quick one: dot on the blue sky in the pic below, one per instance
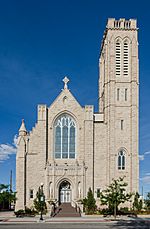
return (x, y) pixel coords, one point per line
(40, 43)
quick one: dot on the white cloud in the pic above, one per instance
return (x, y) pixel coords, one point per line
(8, 149)
(146, 153)
(142, 156)
(15, 140)
(146, 179)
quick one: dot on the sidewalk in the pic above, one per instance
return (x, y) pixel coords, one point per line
(13, 219)
(9, 217)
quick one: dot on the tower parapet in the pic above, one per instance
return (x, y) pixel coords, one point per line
(119, 25)
(122, 23)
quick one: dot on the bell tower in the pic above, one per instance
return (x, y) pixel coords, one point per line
(118, 96)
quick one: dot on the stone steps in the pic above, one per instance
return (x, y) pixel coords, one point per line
(66, 210)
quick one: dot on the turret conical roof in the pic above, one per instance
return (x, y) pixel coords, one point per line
(22, 127)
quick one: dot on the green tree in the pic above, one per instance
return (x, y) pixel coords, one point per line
(138, 203)
(89, 203)
(147, 201)
(115, 194)
(6, 196)
(3, 187)
(39, 202)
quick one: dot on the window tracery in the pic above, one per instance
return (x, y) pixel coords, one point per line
(121, 160)
(65, 137)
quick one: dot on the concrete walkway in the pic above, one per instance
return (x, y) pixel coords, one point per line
(9, 217)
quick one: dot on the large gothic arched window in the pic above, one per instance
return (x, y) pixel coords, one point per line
(64, 137)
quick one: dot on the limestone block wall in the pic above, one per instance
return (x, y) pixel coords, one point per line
(89, 148)
(37, 155)
(100, 157)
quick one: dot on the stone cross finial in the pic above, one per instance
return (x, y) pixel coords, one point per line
(65, 80)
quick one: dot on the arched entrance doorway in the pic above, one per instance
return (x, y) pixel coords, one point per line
(65, 192)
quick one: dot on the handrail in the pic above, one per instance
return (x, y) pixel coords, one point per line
(54, 205)
(57, 203)
(76, 206)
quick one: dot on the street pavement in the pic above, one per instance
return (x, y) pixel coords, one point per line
(97, 225)
(9, 221)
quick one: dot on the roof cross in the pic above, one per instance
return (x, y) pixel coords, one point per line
(65, 80)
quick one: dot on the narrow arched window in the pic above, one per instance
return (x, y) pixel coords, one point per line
(125, 58)
(121, 160)
(118, 58)
(118, 93)
(64, 137)
(126, 94)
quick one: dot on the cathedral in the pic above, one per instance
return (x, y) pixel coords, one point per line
(72, 148)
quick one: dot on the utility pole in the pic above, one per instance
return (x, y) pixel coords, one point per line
(142, 193)
(11, 181)
(10, 190)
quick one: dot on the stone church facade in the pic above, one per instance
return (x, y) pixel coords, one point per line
(72, 148)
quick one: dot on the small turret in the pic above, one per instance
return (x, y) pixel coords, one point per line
(21, 167)
(22, 130)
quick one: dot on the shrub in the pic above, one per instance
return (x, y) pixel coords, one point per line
(20, 213)
(30, 212)
(147, 202)
(107, 211)
(26, 212)
(138, 203)
(123, 211)
(89, 205)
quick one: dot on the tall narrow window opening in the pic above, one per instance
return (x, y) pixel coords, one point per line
(98, 192)
(121, 124)
(118, 58)
(31, 193)
(125, 59)
(121, 160)
(118, 92)
(126, 90)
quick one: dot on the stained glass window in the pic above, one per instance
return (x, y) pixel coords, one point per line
(65, 137)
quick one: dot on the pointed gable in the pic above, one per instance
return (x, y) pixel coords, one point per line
(65, 100)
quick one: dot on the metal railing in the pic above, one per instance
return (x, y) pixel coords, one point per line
(76, 206)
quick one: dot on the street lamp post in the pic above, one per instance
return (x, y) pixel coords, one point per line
(41, 201)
